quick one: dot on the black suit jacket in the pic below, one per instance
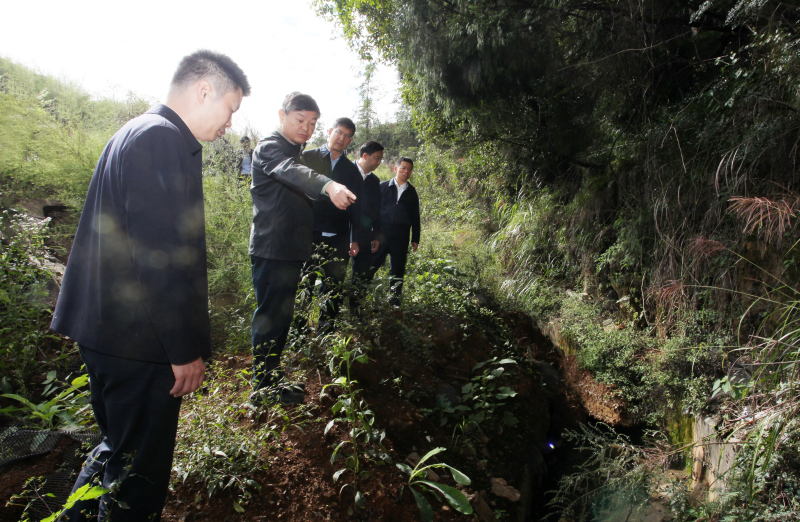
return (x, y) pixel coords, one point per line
(370, 209)
(398, 218)
(283, 190)
(328, 218)
(136, 285)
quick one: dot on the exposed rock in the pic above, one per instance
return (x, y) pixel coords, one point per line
(481, 508)
(502, 489)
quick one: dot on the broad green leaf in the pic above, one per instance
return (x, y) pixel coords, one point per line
(479, 365)
(238, 507)
(497, 372)
(405, 468)
(459, 477)
(430, 454)
(425, 509)
(507, 361)
(454, 497)
(363, 359)
(19, 398)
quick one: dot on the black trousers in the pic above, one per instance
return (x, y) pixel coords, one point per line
(333, 254)
(275, 283)
(397, 250)
(362, 275)
(139, 419)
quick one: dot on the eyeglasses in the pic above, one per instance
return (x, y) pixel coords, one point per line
(379, 160)
(341, 132)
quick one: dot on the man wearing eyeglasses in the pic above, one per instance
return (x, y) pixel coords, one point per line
(336, 232)
(370, 156)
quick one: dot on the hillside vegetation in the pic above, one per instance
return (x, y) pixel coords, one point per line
(625, 169)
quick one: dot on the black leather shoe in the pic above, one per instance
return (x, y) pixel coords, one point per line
(288, 397)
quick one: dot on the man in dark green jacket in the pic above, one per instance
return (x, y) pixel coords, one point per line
(283, 190)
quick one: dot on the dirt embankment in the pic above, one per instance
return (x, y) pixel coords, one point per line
(414, 362)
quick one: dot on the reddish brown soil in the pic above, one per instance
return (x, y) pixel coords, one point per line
(412, 358)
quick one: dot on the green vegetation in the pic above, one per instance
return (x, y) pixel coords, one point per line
(417, 484)
(626, 170)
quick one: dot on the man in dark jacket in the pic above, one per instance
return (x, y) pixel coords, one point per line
(135, 292)
(336, 232)
(370, 156)
(399, 219)
(283, 190)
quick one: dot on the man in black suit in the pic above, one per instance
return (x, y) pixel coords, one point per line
(370, 156)
(336, 231)
(399, 219)
(283, 191)
(135, 292)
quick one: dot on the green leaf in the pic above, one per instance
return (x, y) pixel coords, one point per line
(329, 426)
(360, 500)
(497, 372)
(238, 507)
(507, 361)
(425, 509)
(430, 454)
(459, 477)
(479, 365)
(364, 359)
(405, 468)
(454, 497)
(80, 381)
(338, 474)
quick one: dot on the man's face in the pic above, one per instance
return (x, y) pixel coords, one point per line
(298, 126)
(403, 172)
(339, 139)
(217, 114)
(371, 161)
(246, 146)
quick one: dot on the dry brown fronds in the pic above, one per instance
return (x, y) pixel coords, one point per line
(703, 247)
(770, 217)
(670, 299)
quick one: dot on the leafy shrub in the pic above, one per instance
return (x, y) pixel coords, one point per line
(23, 299)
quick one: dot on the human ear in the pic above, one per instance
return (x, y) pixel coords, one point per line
(281, 116)
(204, 90)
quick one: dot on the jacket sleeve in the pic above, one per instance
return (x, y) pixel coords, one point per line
(415, 225)
(358, 233)
(163, 225)
(270, 159)
(377, 224)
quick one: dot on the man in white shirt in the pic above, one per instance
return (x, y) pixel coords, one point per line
(399, 219)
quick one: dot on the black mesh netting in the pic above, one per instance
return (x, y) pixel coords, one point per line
(17, 443)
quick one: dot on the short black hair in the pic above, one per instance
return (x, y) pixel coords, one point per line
(244, 139)
(370, 148)
(347, 123)
(297, 101)
(222, 72)
(402, 159)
